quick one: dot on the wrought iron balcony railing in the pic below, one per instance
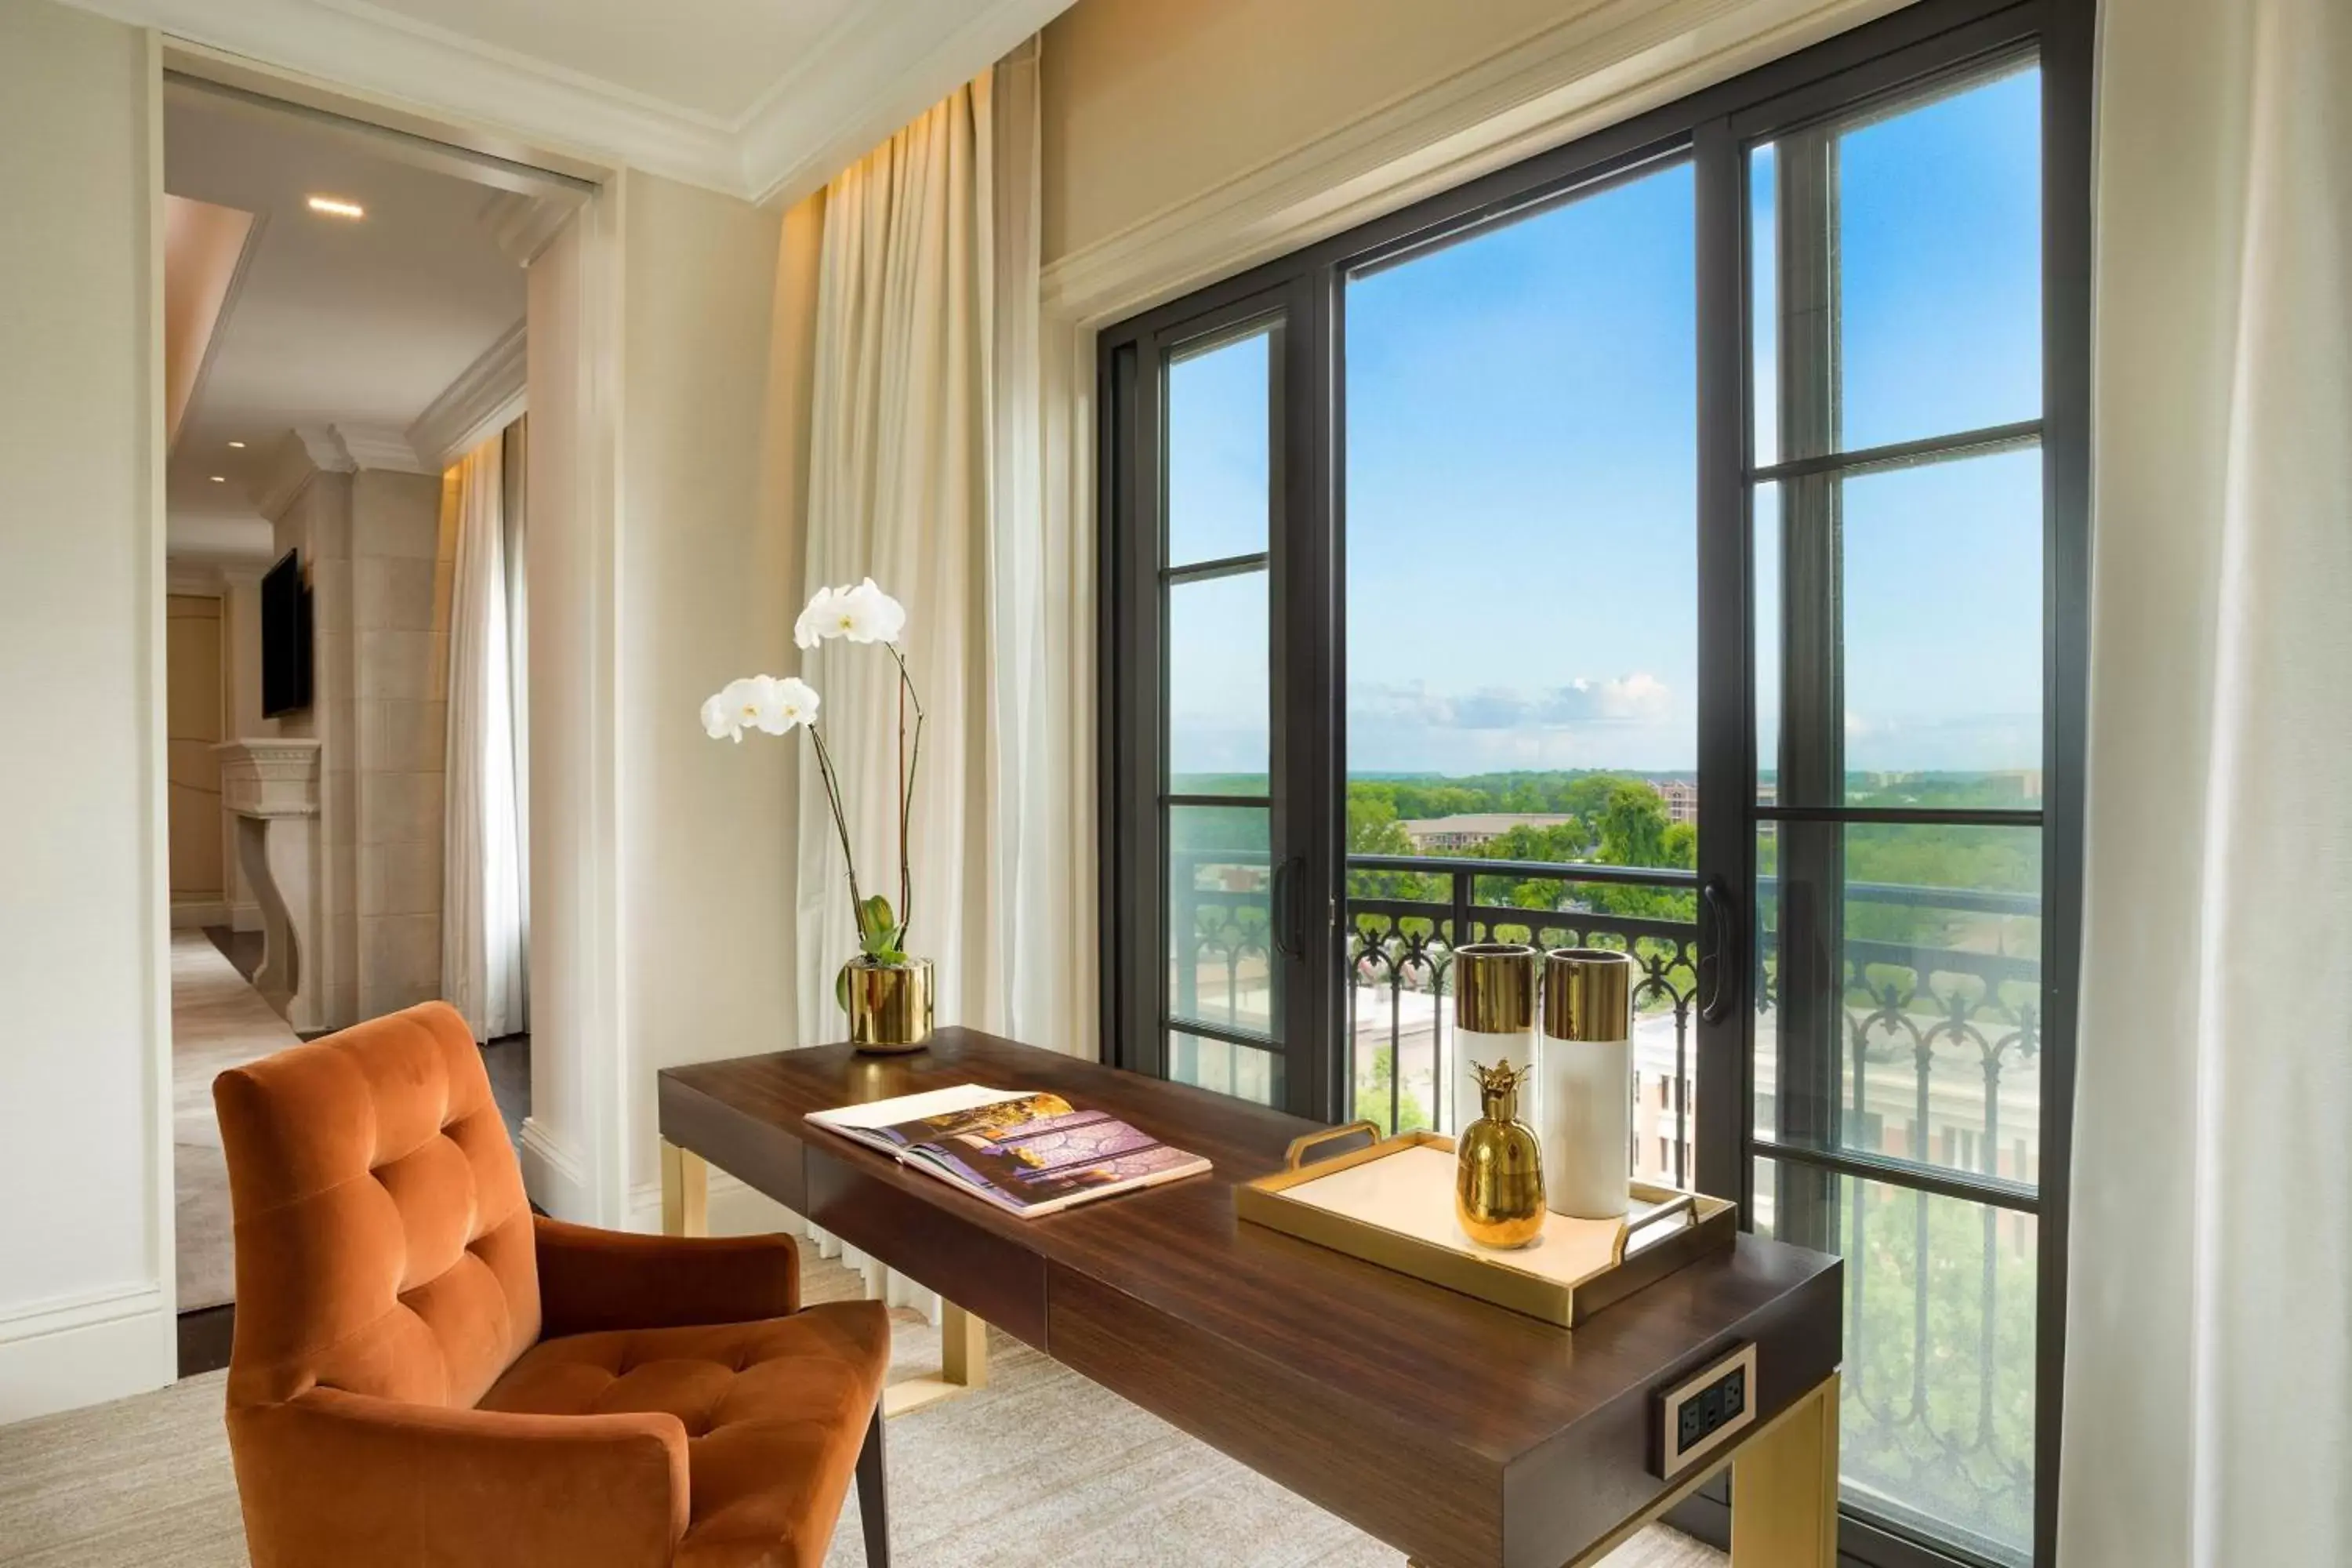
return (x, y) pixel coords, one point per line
(1937, 1073)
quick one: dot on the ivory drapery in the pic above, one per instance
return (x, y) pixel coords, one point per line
(924, 460)
(2209, 1345)
(482, 961)
(926, 441)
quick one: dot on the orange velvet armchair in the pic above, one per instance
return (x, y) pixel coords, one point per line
(425, 1373)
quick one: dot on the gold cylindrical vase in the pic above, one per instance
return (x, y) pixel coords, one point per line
(889, 1005)
(1494, 1022)
(1585, 1072)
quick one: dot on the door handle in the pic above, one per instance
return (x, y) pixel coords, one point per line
(1719, 950)
(1288, 940)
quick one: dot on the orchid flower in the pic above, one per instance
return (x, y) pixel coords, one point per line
(862, 613)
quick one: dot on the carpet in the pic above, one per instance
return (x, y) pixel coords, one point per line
(1041, 1466)
(218, 1021)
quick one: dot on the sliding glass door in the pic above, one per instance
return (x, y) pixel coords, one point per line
(1673, 543)
(1213, 640)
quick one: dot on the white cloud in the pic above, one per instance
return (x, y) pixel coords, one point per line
(1636, 699)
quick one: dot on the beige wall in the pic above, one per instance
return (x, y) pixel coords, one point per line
(85, 1277)
(193, 684)
(1147, 103)
(318, 522)
(709, 564)
(377, 550)
(403, 550)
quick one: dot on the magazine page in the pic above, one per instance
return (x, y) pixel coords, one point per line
(1041, 1152)
(1030, 1153)
(885, 1123)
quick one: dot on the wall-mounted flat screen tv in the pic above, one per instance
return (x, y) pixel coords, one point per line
(284, 639)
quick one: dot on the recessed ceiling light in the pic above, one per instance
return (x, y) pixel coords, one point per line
(335, 207)
(220, 478)
(237, 444)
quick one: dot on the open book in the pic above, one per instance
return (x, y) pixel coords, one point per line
(1031, 1153)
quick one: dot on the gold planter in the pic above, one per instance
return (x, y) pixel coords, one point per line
(889, 1007)
(1498, 1185)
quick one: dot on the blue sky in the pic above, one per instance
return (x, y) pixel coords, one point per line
(1521, 488)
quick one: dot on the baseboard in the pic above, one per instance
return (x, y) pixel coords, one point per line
(733, 1209)
(196, 914)
(70, 1351)
(244, 917)
(553, 1176)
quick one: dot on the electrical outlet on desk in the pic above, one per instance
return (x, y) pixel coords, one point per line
(1704, 1412)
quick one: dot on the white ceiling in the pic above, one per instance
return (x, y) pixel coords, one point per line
(332, 323)
(760, 99)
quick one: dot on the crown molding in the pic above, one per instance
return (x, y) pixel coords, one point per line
(378, 447)
(857, 86)
(521, 226)
(883, 63)
(1605, 64)
(301, 452)
(486, 398)
(433, 70)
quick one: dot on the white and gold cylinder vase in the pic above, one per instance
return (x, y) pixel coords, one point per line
(1584, 1082)
(1494, 1021)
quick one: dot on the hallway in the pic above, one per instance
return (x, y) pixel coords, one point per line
(218, 1021)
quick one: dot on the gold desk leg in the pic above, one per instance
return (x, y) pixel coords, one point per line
(1784, 1487)
(963, 1364)
(1784, 1492)
(685, 1191)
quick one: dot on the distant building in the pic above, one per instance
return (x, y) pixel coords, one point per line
(1471, 829)
(1681, 797)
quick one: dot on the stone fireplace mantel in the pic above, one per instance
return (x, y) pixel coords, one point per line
(271, 786)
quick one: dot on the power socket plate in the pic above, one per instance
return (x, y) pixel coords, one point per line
(1704, 1412)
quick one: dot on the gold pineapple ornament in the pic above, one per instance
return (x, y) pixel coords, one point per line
(1498, 1186)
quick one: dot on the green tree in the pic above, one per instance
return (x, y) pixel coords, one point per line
(1634, 826)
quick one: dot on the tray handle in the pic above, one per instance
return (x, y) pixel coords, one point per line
(1680, 1204)
(1296, 1156)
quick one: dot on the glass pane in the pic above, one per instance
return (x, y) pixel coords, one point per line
(1220, 473)
(1220, 958)
(1242, 1072)
(1218, 649)
(1522, 508)
(1522, 621)
(1931, 695)
(1922, 1039)
(1906, 238)
(1940, 252)
(1936, 1419)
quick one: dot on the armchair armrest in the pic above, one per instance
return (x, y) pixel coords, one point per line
(591, 1279)
(331, 1476)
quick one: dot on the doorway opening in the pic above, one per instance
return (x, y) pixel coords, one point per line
(347, 525)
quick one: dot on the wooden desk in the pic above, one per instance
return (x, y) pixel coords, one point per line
(1464, 1435)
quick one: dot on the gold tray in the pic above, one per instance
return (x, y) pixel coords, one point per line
(1393, 1204)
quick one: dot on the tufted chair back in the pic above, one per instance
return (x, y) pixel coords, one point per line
(383, 1243)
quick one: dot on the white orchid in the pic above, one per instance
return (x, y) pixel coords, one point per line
(862, 614)
(794, 702)
(759, 702)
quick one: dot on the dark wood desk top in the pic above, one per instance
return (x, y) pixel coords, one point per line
(1462, 1433)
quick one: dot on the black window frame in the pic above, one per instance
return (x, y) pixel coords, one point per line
(1712, 128)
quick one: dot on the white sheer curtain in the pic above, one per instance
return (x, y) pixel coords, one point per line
(2209, 1371)
(482, 939)
(924, 473)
